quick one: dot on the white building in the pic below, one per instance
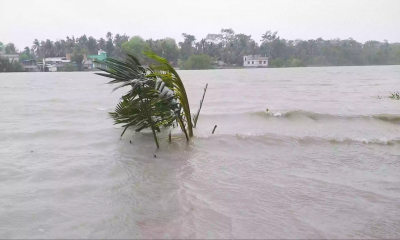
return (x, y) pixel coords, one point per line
(55, 63)
(255, 61)
(11, 57)
(30, 65)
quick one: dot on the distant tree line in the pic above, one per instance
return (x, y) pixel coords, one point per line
(7, 66)
(226, 46)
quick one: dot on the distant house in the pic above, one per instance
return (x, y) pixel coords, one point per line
(88, 64)
(255, 61)
(55, 64)
(10, 57)
(219, 64)
(101, 56)
(30, 65)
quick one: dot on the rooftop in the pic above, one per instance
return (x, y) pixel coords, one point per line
(57, 59)
(255, 57)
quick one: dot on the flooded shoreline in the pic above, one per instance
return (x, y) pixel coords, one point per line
(323, 162)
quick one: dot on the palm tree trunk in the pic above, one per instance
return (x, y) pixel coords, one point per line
(155, 136)
(183, 127)
(144, 107)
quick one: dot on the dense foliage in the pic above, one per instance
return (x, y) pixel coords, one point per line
(69, 67)
(7, 66)
(197, 62)
(135, 46)
(10, 48)
(78, 57)
(156, 97)
(395, 95)
(226, 46)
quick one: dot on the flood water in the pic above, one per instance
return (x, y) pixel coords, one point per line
(322, 162)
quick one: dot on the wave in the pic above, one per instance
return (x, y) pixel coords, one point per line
(300, 114)
(392, 118)
(273, 138)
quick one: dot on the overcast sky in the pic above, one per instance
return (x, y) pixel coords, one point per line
(24, 20)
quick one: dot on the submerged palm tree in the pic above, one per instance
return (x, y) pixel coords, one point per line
(171, 78)
(156, 97)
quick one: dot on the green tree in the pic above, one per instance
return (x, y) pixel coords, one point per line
(267, 39)
(48, 48)
(82, 41)
(69, 67)
(10, 48)
(7, 66)
(187, 46)
(230, 47)
(277, 63)
(109, 35)
(27, 52)
(69, 44)
(197, 62)
(294, 62)
(78, 57)
(135, 47)
(59, 49)
(102, 43)
(118, 41)
(91, 45)
(23, 57)
(166, 48)
(109, 47)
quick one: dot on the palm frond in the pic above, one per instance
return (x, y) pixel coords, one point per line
(155, 99)
(171, 78)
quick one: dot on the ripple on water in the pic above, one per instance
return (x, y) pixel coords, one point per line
(317, 165)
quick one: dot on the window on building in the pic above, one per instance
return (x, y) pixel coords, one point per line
(252, 62)
(265, 62)
(260, 62)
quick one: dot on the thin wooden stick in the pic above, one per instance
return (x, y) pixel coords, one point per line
(196, 117)
(170, 138)
(214, 129)
(183, 128)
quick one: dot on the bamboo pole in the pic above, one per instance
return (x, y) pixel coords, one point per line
(196, 117)
(214, 129)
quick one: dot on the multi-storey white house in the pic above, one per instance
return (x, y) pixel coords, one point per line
(255, 61)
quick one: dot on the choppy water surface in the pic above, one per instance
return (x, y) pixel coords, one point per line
(323, 162)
